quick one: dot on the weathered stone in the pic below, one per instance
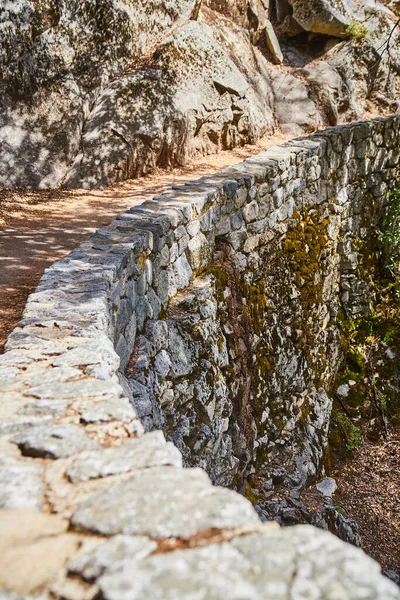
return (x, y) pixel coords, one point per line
(119, 409)
(330, 17)
(172, 97)
(293, 103)
(34, 547)
(283, 9)
(73, 389)
(58, 375)
(327, 486)
(47, 120)
(199, 252)
(22, 527)
(249, 14)
(7, 376)
(328, 89)
(291, 27)
(143, 312)
(97, 351)
(179, 352)
(57, 441)
(251, 243)
(63, 586)
(109, 555)
(182, 272)
(162, 363)
(347, 529)
(181, 503)
(21, 423)
(28, 568)
(21, 484)
(272, 43)
(141, 399)
(273, 564)
(150, 450)
(250, 211)
(237, 220)
(53, 408)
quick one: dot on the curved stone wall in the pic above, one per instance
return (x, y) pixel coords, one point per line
(237, 370)
(72, 445)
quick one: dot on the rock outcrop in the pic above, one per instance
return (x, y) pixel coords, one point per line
(250, 14)
(193, 101)
(55, 58)
(76, 94)
(320, 16)
(84, 105)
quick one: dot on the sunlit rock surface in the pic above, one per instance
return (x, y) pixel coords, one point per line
(83, 104)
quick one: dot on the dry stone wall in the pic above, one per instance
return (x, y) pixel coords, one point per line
(238, 369)
(221, 302)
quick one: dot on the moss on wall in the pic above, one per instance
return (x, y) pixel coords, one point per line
(369, 380)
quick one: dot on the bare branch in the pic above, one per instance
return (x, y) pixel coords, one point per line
(385, 47)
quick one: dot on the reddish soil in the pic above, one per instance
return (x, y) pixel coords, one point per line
(369, 491)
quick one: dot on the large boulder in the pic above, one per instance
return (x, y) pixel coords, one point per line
(43, 40)
(329, 91)
(91, 104)
(55, 58)
(368, 18)
(294, 110)
(194, 101)
(330, 17)
(349, 73)
(39, 137)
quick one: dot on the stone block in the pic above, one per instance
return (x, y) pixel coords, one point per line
(53, 441)
(150, 450)
(179, 503)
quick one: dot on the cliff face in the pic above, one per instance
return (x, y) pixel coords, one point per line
(104, 90)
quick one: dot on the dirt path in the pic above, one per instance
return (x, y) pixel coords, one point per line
(38, 228)
(369, 490)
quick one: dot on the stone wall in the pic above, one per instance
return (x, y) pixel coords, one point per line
(237, 371)
(230, 292)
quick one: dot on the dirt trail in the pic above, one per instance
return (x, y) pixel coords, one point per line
(369, 491)
(38, 228)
